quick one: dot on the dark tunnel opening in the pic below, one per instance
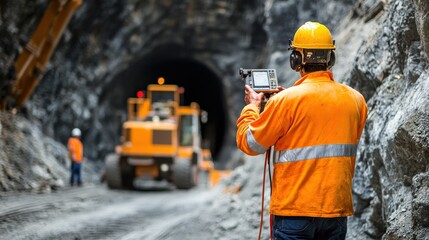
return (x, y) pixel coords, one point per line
(201, 85)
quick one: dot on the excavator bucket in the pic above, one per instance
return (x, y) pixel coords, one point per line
(215, 176)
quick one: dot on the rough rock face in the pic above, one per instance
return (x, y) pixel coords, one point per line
(422, 22)
(29, 160)
(113, 48)
(391, 70)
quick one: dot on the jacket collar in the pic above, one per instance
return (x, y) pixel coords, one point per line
(316, 77)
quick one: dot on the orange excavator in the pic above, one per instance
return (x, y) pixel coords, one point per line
(32, 61)
(161, 142)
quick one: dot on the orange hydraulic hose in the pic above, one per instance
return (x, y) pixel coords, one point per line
(266, 162)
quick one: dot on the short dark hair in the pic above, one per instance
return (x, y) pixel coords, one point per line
(308, 68)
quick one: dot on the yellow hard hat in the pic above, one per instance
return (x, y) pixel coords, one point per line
(313, 35)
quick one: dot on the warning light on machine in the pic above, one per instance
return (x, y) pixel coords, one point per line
(161, 80)
(181, 90)
(140, 94)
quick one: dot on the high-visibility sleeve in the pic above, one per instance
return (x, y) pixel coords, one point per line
(248, 114)
(256, 132)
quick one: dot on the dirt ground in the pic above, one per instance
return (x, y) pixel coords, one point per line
(95, 212)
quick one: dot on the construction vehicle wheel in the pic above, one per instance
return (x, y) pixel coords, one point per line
(113, 171)
(127, 173)
(184, 174)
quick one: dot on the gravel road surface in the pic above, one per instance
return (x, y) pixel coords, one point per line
(95, 212)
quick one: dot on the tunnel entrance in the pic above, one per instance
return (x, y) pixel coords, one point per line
(200, 83)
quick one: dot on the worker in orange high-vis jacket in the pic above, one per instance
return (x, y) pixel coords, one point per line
(75, 148)
(314, 127)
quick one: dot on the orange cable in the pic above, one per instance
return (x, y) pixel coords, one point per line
(263, 193)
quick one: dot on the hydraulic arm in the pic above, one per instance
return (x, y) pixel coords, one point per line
(32, 61)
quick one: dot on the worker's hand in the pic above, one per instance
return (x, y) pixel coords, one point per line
(252, 97)
(280, 88)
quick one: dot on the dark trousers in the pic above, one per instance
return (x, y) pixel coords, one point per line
(292, 228)
(75, 174)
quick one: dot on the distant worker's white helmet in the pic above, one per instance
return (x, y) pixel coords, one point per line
(76, 132)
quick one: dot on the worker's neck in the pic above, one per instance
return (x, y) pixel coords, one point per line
(304, 73)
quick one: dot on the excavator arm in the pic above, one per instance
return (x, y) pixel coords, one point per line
(31, 63)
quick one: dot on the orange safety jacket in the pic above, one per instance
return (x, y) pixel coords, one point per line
(315, 127)
(75, 147)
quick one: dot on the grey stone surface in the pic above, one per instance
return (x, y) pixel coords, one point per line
(422, 22)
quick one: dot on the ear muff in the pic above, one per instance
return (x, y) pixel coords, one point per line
(331, 62)
(296, 60)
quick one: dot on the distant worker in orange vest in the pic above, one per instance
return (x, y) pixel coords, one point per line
(314, 127)
(75, 148)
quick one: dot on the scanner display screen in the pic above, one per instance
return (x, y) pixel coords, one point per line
(261, 79)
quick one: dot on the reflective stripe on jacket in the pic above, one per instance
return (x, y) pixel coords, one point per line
(314, 127)
(75, 148)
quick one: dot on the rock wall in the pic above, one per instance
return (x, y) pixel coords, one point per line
(29, 160)
(391, 69)
(422, 22)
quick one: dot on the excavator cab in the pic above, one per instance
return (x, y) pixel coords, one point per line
(189, 149)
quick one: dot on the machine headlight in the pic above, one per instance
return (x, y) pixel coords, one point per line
(164, 167)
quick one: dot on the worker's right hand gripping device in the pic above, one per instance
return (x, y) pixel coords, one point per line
(261, 80)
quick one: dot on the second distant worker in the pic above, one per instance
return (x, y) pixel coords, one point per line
(75, 149)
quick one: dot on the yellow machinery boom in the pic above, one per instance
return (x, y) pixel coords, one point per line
(32, 61)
